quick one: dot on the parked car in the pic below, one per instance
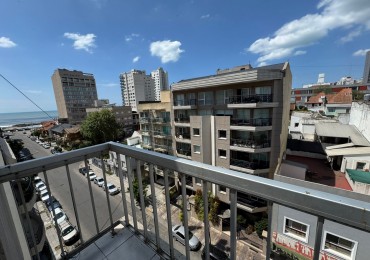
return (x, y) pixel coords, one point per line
(44, 195)
(54, 204)
(69, 233)
(60, 216)
(46, 146)
(37, 180)
(92, 175)
(215, 253)
(112, 189)
(99, 181)
(51, 200)
(178, 232)
(40, 186)
(83, 170)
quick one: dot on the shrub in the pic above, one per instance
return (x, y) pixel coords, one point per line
(261, 225)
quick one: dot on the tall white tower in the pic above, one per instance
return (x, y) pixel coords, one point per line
(160, 82)
(136, 86)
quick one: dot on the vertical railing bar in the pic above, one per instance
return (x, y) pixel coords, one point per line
(106, 193)
(154, 206)
(141, 195)
(233, 213)
(73, 201)
(185, 215)
(28, 220)
(91, 195)
(55, 220)
(131, 188)
(120, 175)
(318, 237)
(168, 211)
(269, 229)
(207, 234)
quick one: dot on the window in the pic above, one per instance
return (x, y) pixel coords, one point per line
(339, 246)
(222, 189)
(295, 229)
(222, 153)
(198, 181)
(222, 134)
(196, 149)
(196, 132)
(296, 124)
(360, 166)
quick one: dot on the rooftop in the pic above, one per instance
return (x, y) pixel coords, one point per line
(359, 176)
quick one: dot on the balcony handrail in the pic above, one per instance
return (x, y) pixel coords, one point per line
(251, 121)
(250, 142)
(250, 98)
(341, 209)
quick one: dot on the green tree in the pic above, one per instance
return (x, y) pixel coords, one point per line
(323, 88)
(261, 225)
(100, 127)
(357, 95)
(213, 206)
(136, 191)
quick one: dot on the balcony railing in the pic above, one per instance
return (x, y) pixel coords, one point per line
(183, 135)
(188, 102)
(325, 206)
(249, 165)
(184, 152)
(250, 143)
(251, 121)
(250, 99)
(182, 119)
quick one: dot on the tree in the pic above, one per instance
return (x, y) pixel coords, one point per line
(213, 206)
(100, 127)
(323, 88)
(261, 225)
(136, 191)
(357, 95)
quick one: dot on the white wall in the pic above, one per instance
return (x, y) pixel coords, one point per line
(360, 117)
(293, 170)
(350, 162)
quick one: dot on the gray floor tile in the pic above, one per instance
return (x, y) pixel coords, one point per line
(107, 244)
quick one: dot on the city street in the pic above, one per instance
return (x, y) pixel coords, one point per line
(60, 189)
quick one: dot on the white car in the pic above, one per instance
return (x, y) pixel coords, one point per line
(178, 232)
(69, 233)
(112, 189)
(92, 175)
(99, 181)
(44, 195)
(40, 186)
(36, 180)
(60, 216)
(46, 146)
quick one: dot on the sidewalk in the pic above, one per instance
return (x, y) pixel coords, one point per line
(221, 239)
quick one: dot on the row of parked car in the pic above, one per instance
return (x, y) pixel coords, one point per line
(69, 233)
(112, 189)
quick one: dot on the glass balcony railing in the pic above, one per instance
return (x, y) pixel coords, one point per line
(250, 143)
(95, 212)
(188, 102)
(250, 99)
(251, 121)
(182, 119)
(249, 165)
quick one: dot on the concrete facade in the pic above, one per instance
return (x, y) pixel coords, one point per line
(235, 119)
(360, 117)
(136, 86)
(74, 91)
(366, 75)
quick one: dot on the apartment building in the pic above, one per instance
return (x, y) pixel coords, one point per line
(136, 86)
(74, 91)
(155, 126)
(235, 119)
(366, 75)
(160, 78)
(122, 114)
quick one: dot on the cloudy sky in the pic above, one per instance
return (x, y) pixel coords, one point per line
(187, 38)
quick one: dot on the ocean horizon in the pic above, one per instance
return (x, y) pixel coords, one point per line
(36, 117)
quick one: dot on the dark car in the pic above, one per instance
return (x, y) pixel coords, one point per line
(215, 253)
(52, 202)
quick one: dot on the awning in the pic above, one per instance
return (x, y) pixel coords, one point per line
(348, 151)
(347, 145)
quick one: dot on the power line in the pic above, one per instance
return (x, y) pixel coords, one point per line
(26, 96)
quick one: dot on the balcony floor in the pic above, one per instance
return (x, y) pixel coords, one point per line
(124, 245)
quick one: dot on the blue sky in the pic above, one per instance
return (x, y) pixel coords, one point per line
(187, 38)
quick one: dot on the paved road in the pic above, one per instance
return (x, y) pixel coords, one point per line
(60, 189)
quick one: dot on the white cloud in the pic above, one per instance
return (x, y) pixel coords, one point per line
(300, 53)
(361, 52)
(130, 37)
(351, 35)
(310, 28)
(33, 91)
(205, 16)
(6, 43)
(166, 50)
(136, 59)
(82, 42)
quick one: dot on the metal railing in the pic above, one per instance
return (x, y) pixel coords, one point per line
(182, 119)
(347, 211)
(187, 102)
(251, 121)
(245, 99)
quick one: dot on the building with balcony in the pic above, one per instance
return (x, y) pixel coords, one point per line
(235, 119)
(115, 227)
(136, 86)
(74, 91)
(160, 78)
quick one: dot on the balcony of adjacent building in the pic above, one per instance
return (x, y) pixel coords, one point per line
(129, 225)
(252, 142)
(161, 120)
(160, 133)
(181, 104)
(251, 124)
(252, 163)
(251, 101)
(163, 148)
(182, 134)
(183, 150)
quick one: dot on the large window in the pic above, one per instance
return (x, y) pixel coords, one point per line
(339, 246)
(205, 98)
(296, 229)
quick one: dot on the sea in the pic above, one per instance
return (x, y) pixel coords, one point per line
(29, 118)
